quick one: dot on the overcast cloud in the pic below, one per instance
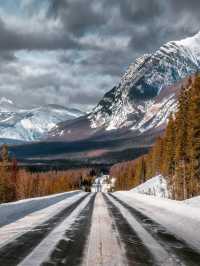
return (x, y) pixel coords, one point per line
(71, 52)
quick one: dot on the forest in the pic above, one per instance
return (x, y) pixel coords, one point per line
(17, 183)
(175, 154)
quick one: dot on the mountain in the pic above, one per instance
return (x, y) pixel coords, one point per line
(18, 125)
(127, 120)
(143, 98)
(134, 101)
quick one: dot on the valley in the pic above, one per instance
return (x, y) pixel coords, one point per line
(129, 117)
(99, 133)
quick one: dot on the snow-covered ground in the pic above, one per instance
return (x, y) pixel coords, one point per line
(156, 186)
(179, 218)
(195, 202)
(10, 212)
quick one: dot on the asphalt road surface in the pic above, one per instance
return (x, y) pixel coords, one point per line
(91, 229)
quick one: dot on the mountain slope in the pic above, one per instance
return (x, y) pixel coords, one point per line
(144, 97)
(128, 104)
(31, 124)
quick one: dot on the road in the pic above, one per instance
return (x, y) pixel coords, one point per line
(91, 229)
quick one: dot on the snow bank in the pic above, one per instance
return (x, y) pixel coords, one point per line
(195, 202)
(156, 186)
(175, 216)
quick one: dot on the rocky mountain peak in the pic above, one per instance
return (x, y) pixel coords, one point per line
(128, 103)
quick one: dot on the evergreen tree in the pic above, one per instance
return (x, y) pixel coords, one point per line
(181, 158)
(157, 157)
(4, 153)
(5, 184)
(169, 148)
(140, 171)
(169, 154)
(194, 136)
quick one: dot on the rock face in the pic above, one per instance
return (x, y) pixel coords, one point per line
(136, 102)
(31, 124)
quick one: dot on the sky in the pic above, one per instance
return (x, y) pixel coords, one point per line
(70, 52)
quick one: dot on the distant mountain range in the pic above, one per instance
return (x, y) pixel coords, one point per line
(20, 125)
(143, 98)
(125, 123)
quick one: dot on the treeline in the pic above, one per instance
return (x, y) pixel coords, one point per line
(175, 155)
(125, 174)
(16, 183)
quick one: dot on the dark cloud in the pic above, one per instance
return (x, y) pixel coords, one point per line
(7, 57)
(78, 17)
(112, 62)
(180, 5)
(12, 40)
(140, 11)
(93, 42)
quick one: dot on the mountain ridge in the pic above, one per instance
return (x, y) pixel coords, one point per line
(23, 124)
(143, 98)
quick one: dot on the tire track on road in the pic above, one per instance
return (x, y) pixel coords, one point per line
(179, 250)
(14, 252)
(69, 250)
(136, 252)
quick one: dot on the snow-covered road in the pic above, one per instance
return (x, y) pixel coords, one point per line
(91, 229)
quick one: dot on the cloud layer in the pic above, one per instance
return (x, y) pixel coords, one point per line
(71, 52)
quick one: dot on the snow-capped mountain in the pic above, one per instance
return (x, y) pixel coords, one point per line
(31, 124)
(134, 103)
(129, 117)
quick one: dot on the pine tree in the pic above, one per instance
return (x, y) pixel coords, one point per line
(140, 170)
(194, 136)
(149, 164)
(157, 157)
(169, 154)
(5, 186)
(181, 123)
(4, 154)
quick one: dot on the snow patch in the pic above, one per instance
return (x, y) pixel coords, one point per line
(195, 202)
(175, 216)
(5, 100)
(156, 186)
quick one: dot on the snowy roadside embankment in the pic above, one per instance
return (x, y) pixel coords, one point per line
(195, 202)
(156, 186)
(179, 218)
(11, 212)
